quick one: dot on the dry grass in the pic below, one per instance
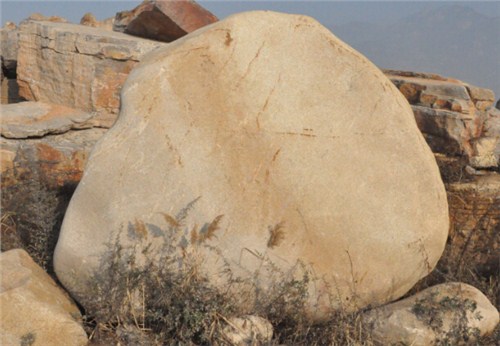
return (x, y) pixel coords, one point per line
(32, 214)
(156, 303)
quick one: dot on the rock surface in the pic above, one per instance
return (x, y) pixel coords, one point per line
(247, 330)
(83, 67)
(447, 314)
(163, 20)
(35, 311)
(8, 49)
(37, 119)
(475, 218)
(58, 160)
(40, 166)
(89, 19)
(9, 91)
(453, 116)
(269, 166)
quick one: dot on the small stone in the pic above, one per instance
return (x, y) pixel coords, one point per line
(484, 155)
(89, 19)
(450, 314)
(247, 330)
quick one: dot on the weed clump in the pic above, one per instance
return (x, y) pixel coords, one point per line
(32, 214)
(143, 298)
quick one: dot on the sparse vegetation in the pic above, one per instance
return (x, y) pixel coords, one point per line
(139, 299)
(166, 300)
(32, 214)
(431, 310)
(28, 339)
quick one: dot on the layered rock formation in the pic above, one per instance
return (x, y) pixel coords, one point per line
(43, 151)
(462, 127)
(83, 67)
(39, 139)
(456, 118)
(266, 165)
(37, 119)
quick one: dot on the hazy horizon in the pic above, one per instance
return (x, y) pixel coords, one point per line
(326, 12)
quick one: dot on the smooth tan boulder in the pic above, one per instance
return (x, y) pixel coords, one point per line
(34, 310)
(265, 146)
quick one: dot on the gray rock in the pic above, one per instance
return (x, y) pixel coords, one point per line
(450, 314)
(9, 48)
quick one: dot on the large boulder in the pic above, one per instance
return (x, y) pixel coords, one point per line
(263, 160)
(35, 311)
(76, 66)
(163, 20)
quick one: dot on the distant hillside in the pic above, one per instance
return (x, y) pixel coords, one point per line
(452, 40)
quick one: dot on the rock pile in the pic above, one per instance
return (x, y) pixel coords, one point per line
(456, 118)
(242, 153)
(462, 126)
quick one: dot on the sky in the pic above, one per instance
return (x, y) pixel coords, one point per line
(327, 12)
